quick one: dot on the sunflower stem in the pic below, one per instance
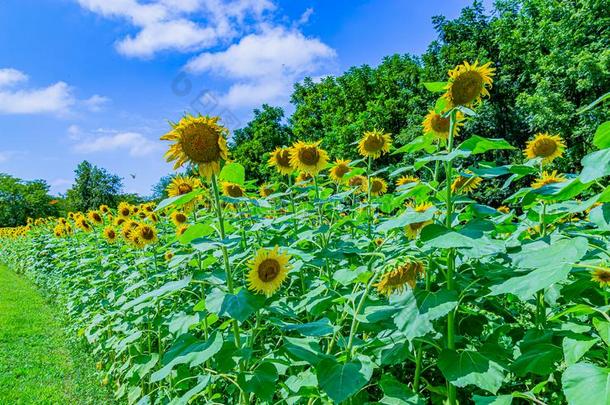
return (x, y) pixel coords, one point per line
(540, 305)
(355, 323)
(451, 389)
(418, 362)
(294, 211)
(368, 198)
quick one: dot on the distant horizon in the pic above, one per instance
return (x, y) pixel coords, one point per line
(111, 76)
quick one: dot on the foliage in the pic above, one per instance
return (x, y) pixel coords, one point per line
(20, 200)
(93, 186)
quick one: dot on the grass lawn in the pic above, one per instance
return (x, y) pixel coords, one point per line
(37, 364)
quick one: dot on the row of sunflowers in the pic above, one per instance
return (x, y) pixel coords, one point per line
(344, 282)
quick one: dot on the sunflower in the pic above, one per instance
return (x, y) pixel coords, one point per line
(406, 180)
(198, 140)
(119, 221)
(178, 218)
(465, 184)
(339, 170)
(181, 185)
(181, 230)
(104, 209)
(232, 190)
(145, 234)
(82, 223)
(378, 186)
(268, 270)
(469, 83)
(439, 126)
(168, 255)
(601, 275)
(59, 231)
(124, 209)
(303, 177)
(413, 230)
(374, 143)
(308, 157)
(358, 181)
(545, 146)
(280, 159)
(403, 275)
(548, 178)
(503, 209)
(110, 234)
(265, 190)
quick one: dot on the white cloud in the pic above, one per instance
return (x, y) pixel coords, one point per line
(265, 65)
(136, 144)
(9, 77)
(60, 185)
(57, 98)
(96, 102)
(178, 25)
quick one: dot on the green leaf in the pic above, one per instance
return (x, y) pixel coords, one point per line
(237, 306)
(539, 354)
(477, 144)
(234, 173)
(188, 350)
(471, 368)
(595, 165)
(306, 349)
(594, 103)
(425, 142)
(397, 393)
(342, 380)
(261, 382)
(586, 384)
(202, 382)
(409, 216)
(574, 347)
(499, 400)
(417, 311)
(602, 136)
(603, 328)
(436, 87)
(167, 288)
(178, 200)
(600, 216)
(321, 327)
(196, 231)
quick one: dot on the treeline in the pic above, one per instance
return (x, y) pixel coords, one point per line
(551, 57)
(93, 186)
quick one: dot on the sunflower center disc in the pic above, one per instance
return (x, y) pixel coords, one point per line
(200, 144)
(466, 88)
(184, 189)
(341, 170)
(373, 143)
(234, 191)
(180, 218)
(268, 270)
(309, 156)
(440, 124)
(376, 186)
(544, 147)
(147, 234)
(283, 158)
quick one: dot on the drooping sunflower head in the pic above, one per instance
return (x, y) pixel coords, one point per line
(110, 234)
(378, 186)
(308, 157)
(303, 177)
(178, 218)
(406, 180)
(339, 170)
(198, 140)
(412, 230)
(601, 275)
(400, 277)
(358, 181)
(124, 209)
(232, 190)
(265, 190)
(181, 185)
(268, 270)
(439, 126)
(83, 224)
(280, 159)
(465, 184)
(95, 217)
(545, 146)
(374, 143)
(468, 84)
(548, 178)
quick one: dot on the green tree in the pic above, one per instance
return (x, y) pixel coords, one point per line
(251, 145)
(93, 186)
(20, 200)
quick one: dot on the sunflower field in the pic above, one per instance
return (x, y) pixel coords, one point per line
(343, 283)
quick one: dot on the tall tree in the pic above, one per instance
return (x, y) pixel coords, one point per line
(20, 200)
(93, 186)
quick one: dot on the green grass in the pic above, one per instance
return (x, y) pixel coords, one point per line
(37, 363)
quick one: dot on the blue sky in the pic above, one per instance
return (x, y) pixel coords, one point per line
(98, 79)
